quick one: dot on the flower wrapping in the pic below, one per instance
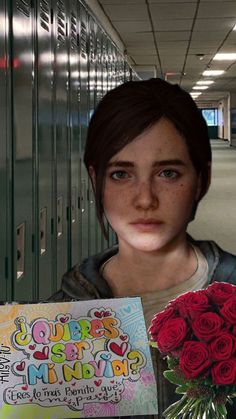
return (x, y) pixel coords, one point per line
(196, 332)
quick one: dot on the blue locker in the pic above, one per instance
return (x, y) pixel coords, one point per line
(75, 222)
(24, 272)
(5, 157)
(84, 116)
(61, 138)
(44, 151)
(93, 225)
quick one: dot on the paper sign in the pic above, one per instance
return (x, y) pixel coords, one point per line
(75, 360)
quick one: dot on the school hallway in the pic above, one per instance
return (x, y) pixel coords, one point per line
(216, 215)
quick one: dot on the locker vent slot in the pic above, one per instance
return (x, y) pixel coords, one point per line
(99, 50)
(44, 15)
(92, 47)
(83, 40)
(73, 34)
(61, 21)
(24, 7)
(104, 53)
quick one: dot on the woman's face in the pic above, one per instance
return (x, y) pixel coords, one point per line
(150, 189)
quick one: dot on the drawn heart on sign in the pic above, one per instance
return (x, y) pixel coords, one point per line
(21, 366)
(99, 314)
(41, 355)
(107, 313)
(24, 387)
(64, 319)
(98, 383)
(123, 337)
(119, 349)
(32, 347)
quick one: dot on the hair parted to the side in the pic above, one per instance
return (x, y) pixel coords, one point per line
(127, 111)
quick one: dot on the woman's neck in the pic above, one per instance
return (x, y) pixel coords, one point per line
(132, 272)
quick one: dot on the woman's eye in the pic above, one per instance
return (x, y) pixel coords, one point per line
(119, 174)
(169, 174)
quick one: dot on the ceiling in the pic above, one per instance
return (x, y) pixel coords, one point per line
(177, 40)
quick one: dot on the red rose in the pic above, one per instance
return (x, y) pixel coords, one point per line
(159, 320)
(191, 304)
(228, 311)
(224, 372)
(219, 292)
(207, 326)
(194, 359)
(222, 347)
(172, 335)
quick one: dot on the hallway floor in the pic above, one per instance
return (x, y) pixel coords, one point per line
(216, 215)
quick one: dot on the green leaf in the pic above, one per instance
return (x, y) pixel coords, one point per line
(181, 389)
(171, 362)
(170, 376)
(152, 344)
(221, 409)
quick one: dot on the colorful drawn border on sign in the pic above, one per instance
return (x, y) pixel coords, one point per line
(89, 358)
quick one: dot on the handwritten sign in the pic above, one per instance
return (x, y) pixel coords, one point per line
(76, 359)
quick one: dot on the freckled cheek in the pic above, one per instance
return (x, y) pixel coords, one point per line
(183, 197)
(115, 201)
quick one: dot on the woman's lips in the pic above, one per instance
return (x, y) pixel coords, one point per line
(146, 225)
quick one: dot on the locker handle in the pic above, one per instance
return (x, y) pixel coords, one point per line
(43, 230)
(20, 251)
(59, 216)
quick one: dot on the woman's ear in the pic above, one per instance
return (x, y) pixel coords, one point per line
(92, 175)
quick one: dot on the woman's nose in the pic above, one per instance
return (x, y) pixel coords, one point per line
(145, 195)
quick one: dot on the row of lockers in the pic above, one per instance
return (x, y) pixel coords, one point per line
(56, 62)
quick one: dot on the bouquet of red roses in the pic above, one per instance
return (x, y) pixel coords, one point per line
(197, 334)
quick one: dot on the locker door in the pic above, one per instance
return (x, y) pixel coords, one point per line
(22, 83)
(105, 86)
(44, 148)
(84, 111)
(5, 144)
(98, 96)
(74, 95)
(92, 87)
(61, 150)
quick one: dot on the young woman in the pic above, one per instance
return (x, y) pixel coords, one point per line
(149, 158)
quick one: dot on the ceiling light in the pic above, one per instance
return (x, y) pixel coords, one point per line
(205, 82)
(225, 56)
(234, 28)
(212, 72)
(200, 87)
(195, 94)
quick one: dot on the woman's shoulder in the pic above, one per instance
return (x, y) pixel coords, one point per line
(83, 281)
(221, 263)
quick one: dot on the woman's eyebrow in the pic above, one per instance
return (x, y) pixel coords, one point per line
(175, 162)
(121, 163)
(126, 163)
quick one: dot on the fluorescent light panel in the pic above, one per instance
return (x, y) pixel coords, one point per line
(225, 56)
(204, 82)
(212, 72)
(200, 87)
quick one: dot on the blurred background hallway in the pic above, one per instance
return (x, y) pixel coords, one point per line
(216, 215)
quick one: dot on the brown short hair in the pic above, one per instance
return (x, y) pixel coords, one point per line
(128, 110)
